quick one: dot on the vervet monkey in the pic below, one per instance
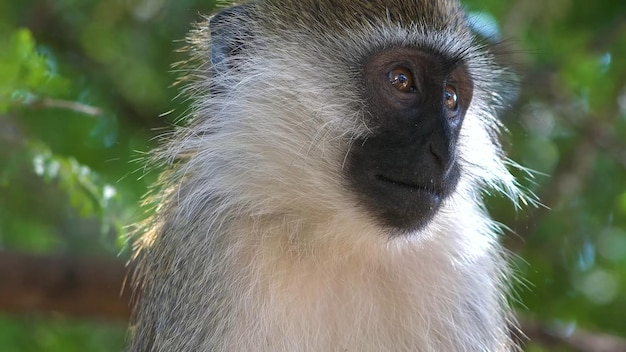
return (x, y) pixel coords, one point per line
(327, 194)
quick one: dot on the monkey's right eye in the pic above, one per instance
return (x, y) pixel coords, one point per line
(402, 80)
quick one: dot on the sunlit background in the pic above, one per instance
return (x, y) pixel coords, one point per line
(86, 86)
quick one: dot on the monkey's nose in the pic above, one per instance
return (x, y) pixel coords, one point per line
(442, 157)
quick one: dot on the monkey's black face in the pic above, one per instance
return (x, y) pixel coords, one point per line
(416, 102)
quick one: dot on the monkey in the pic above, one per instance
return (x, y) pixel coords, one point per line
(327, 191)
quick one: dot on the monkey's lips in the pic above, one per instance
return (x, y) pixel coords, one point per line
(411, 189)
(409, 185)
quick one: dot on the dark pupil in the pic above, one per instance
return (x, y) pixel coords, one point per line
(402, 79)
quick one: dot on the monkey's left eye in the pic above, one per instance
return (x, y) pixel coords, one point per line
(450, 99)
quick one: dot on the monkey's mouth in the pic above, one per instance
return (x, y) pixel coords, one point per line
(431, 190)
(401, 201)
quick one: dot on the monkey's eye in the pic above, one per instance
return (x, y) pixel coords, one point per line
(450, 99)
(402, 80)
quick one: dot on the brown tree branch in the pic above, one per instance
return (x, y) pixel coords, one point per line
(76, 287)
(578, 341)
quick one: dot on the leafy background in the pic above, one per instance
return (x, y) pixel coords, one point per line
(85, 86)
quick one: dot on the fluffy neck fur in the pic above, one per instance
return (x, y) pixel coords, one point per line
(289, 283)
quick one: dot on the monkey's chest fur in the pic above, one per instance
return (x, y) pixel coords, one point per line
(357, 296)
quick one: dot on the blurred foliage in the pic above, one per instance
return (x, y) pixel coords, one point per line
(35, 334)
(570, 123)
(83, 85)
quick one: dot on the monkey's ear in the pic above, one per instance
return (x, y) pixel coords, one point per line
(230, 35)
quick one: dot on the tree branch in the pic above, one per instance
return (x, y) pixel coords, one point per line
(578, 341)
(71, 286)
(66, 104)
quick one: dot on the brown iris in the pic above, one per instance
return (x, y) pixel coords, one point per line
(401, 79)
(450, 99)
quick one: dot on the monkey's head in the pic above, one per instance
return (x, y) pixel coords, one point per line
(380, 111)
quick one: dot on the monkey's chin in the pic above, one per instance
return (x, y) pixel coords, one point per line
(405, 206)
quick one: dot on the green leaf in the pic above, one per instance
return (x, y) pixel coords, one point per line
(25, 72)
